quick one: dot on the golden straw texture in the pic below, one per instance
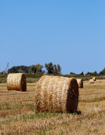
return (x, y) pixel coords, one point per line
(80, 83)
(91, 81)
(16, 81)
(94, 78)
(56, 94)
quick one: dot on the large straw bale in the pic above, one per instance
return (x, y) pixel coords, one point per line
(16, 81)
(94, 78)
(80, 83)
(91, 81)
(56, 94)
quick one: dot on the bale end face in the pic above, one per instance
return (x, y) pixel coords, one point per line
(80, 83)
(72, 96)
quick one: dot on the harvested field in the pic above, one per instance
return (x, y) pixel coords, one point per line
(17, 115)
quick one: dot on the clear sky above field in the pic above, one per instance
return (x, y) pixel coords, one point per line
(66, 32)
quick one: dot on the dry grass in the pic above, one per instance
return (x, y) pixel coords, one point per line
(17, 114)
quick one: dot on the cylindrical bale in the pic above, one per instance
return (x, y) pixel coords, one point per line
(94, 78)
(91, 81)
(16, 81)
(56, 94)
(80, 83)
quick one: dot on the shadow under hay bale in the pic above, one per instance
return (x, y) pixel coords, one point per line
(80, 83)
(56, 94)
(16, 81)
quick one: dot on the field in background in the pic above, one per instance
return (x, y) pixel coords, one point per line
(33, 78)
(17, 116)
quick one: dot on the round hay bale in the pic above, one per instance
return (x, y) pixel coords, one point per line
(56, 94)
(94, 78)
(80, 83)
(91, 81)
(16, 81)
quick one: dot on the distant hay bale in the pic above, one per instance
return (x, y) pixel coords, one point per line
(56, 94)
(16, 81)
(94, 78)
(91, 81)
(80, 83)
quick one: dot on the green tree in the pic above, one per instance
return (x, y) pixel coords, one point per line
(58, 69)
(102, 72)
(81, 73)
(32, 69)
(49, 67)
(53, 69)
(19, 69)
(36, 69)
(72, 73)
(92, 73)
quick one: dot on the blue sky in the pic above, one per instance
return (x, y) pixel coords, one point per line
(70, 33)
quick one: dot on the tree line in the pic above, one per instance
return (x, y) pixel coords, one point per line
(50, 69)
(37, 68)
(90, 73)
